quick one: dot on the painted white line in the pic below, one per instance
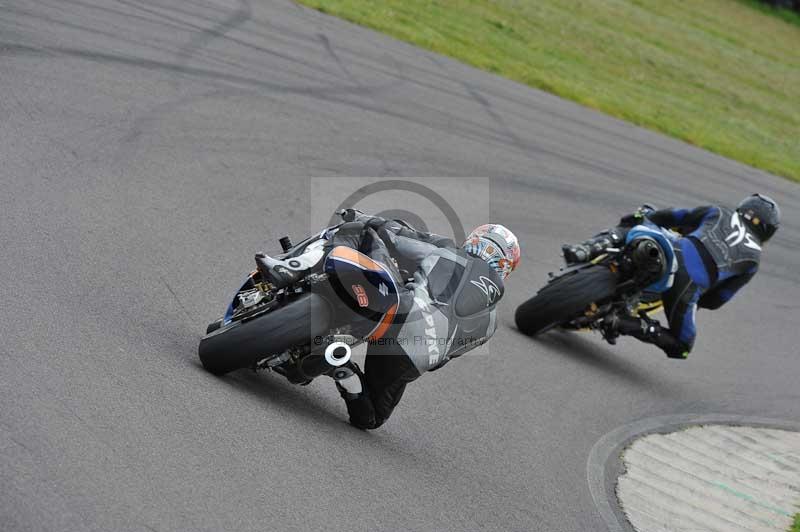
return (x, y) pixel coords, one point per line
(712, 477)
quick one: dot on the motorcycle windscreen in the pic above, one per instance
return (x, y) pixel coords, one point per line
(364, 286)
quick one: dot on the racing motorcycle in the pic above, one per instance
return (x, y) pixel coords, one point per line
(628, 279)
(300, 313)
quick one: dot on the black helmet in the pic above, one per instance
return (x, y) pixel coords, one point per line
(762, 215)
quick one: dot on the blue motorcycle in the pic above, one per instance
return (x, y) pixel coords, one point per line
(629, 279)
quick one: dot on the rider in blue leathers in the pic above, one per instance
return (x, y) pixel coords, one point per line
(718, 254)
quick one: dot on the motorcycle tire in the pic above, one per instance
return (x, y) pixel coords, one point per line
(565, 299)
(243, 343)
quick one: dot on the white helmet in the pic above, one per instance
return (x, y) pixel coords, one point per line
(496, 245)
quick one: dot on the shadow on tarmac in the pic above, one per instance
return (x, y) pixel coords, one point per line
(578, 348)
(275, 389)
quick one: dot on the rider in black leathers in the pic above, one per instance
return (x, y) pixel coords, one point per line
(447, 310)
(719, 253)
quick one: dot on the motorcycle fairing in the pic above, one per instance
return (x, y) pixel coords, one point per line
(365, 286)
(246, 285)
(306, 254)
(665, 283)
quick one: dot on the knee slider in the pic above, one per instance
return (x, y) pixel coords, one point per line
(678, 353)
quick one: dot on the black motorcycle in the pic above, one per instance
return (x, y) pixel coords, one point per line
(301, 312)
(629, 279)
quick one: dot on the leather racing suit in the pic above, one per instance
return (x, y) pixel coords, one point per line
(717, 256)
(447, 309)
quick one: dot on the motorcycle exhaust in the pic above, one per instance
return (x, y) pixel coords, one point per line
(336, 354)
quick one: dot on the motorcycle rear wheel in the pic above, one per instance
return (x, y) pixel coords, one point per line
(241, 344)
(565, 299)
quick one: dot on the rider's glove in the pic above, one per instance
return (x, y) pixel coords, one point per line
(354, 215)
(637, 217)
(349, 215)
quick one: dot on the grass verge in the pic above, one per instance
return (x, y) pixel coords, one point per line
(792, 17)
(796, 525)
(719, 74)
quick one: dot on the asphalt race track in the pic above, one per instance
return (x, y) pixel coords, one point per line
(148, 148)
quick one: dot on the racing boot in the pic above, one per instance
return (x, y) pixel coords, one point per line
(352, 387)
(646, 330)
(592, 248)
(614, 325)
(609, 328)
(349, 380)
(575, 254)
(283, 272)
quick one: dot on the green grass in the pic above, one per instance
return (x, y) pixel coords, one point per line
(796, 525)
(720, 74)
(792, 17)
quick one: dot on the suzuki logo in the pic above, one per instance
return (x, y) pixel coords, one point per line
(488, 287)
(740, 234)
